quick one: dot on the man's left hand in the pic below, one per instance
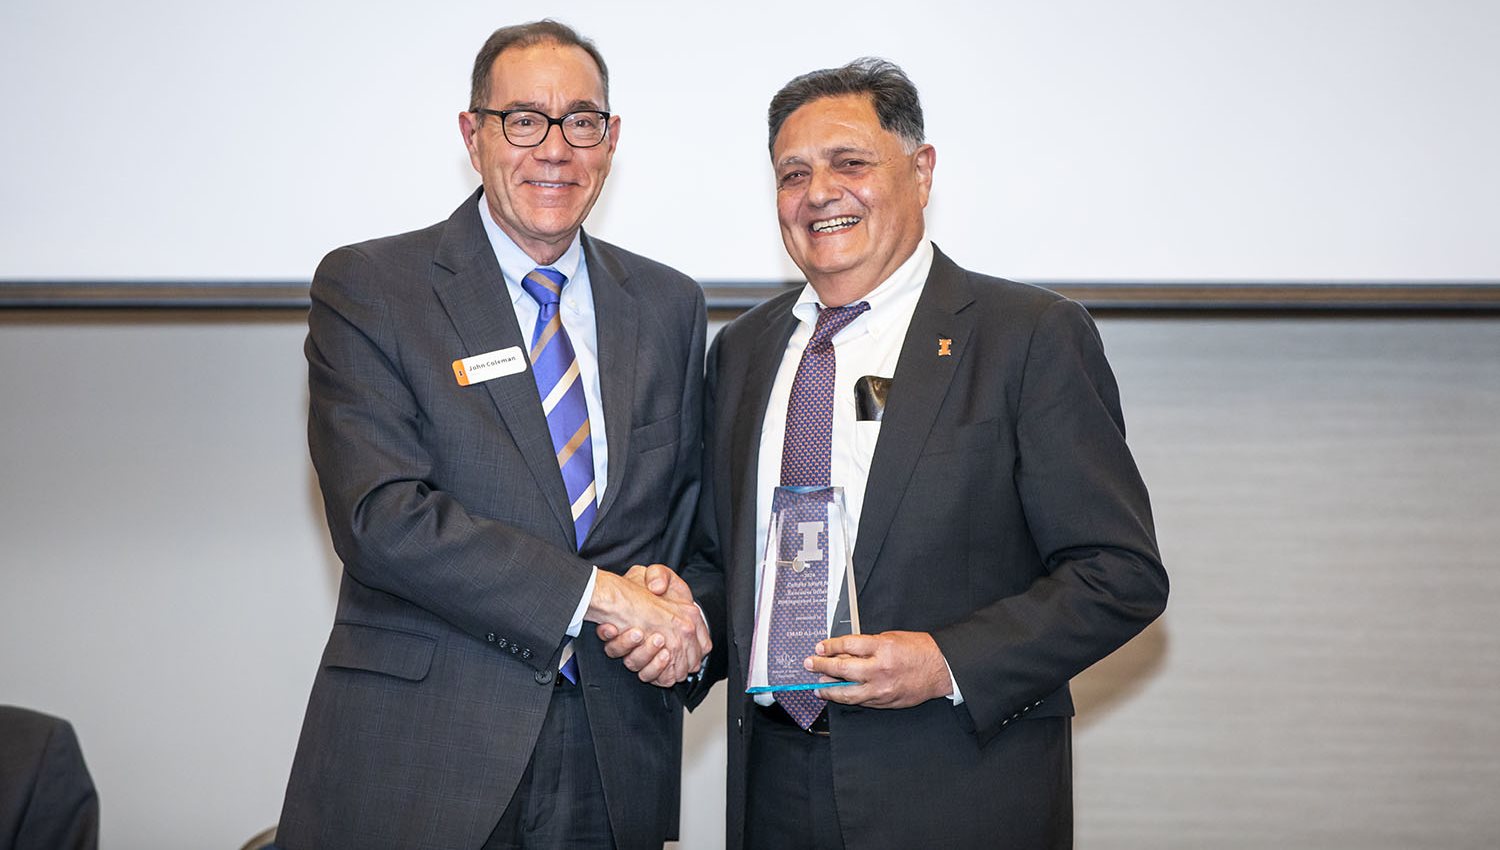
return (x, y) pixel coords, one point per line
(893, 669)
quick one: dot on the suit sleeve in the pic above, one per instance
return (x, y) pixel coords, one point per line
(683, 502)
(1087, 511)
(393, 528)
(703, 569)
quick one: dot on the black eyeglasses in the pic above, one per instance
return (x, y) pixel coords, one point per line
(527, 128)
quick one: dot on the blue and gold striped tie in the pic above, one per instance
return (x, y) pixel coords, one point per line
(557, 381)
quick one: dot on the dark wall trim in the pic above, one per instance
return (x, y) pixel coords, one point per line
(1423, 297)
(153, 295)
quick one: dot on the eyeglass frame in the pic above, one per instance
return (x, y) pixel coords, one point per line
(551, 122)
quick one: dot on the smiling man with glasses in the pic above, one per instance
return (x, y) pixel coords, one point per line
(504, 417)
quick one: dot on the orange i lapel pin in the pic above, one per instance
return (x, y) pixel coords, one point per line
(945, 347)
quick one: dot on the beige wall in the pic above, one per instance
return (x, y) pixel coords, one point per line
(1326, 674)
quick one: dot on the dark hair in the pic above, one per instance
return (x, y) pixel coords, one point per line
(892, 93)
(526, 35)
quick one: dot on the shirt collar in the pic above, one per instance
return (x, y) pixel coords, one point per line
(515, 263)
(893, 299)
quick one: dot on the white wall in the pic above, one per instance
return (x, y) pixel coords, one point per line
(1157, 139)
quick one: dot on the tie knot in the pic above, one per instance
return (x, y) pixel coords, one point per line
(831, 320)
(545, 285)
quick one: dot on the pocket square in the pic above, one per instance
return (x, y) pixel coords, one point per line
(870, 393)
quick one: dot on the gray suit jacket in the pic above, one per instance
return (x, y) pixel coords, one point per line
(450, 515)
(47, 799)
(1003, 514)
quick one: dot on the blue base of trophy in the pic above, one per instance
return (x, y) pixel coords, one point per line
(806, 686)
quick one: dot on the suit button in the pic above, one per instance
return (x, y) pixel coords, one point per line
(544, 677)
(502, 643)
(514, 649)
(525, 653)
(490, 637)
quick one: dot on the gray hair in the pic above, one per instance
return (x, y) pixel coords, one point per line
(891, 92)
(526, 35)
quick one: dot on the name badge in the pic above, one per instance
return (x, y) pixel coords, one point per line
(483, 367)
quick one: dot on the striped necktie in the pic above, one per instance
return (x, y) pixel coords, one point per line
(806, 458)
(557, 381)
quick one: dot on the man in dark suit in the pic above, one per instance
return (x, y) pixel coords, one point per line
(1004, 539)
(504, 414)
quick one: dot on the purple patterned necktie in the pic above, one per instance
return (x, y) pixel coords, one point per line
(557, 380)
(806, 457)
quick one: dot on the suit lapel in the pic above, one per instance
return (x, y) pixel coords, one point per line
(616, 318)
(478, 304)
(918, 388)
(748, 416)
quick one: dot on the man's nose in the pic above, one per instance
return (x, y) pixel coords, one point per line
(822, 187)
(554, 148)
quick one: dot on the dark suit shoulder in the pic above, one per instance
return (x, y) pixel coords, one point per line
(423, 242)
(26, 734)
(671, 305)
(365, 270)
(1015, 293)
(1016, 298)
(47, 797)
(639, 273)
(630, 260)
(1013, 312)
(748, 325)
(398, 260)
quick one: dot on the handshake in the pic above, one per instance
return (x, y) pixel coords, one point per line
(647, 619)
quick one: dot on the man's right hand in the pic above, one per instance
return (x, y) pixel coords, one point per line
(665, 639)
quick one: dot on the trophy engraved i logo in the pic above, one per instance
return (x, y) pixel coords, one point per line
(811, 551)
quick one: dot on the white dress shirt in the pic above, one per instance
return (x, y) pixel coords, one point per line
(869, 345)
(577, 312)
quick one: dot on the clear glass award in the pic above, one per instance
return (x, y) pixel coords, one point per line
(806, 591)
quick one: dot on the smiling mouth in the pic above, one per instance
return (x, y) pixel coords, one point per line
(545, 185)
(834, 225)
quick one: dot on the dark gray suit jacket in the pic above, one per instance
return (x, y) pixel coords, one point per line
(450, 515)
(1003, 514)
(47, 799)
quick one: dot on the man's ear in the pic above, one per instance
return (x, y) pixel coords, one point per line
(924, 161)
(614, 133)
(468, 125)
